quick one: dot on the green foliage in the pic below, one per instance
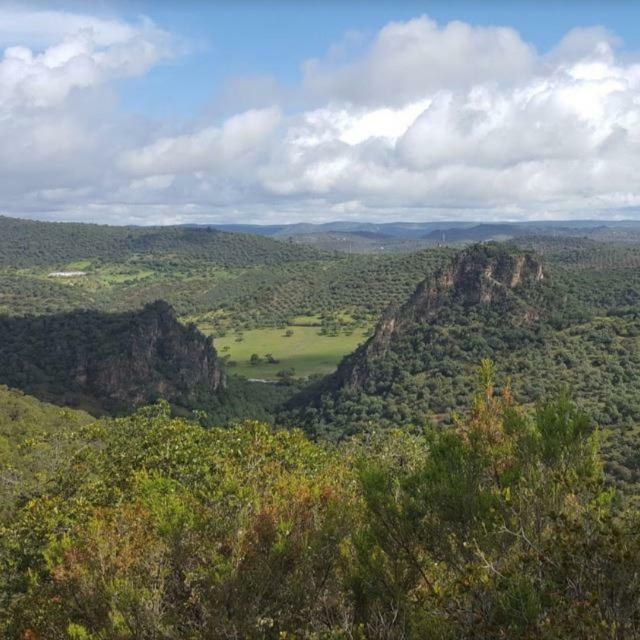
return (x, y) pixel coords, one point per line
(110, 361)
(165, 529)
(578, 329)
(219, 279)
(499, 526)
(26, 243)
(223, 282)
(35, 439)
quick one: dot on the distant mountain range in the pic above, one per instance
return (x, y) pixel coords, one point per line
(405, 230)
(24, 241)
(394, 237)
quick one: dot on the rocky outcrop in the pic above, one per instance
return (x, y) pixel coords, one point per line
(482, 275)
(478, 276)
(119, 360)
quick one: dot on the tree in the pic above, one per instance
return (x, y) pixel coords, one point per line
(498, 527)
(286, 374)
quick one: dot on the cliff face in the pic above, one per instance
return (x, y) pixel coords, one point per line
(481, 276)
(122, 360)
(160, 358)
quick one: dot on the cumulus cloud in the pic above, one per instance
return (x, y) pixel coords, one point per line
(410, 59)
(82, 52)
(20, 25)
(476, 121)
(238, 143)
(423, 121)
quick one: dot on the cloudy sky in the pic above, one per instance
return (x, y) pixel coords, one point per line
(160, 112)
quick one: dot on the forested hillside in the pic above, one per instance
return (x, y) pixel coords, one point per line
(110, 361)
(35, 437)
(545, 333)
(227, 284)
(26, 243)
(235, 280)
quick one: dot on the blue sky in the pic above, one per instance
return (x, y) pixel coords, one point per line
(252, 37)
(272, 111)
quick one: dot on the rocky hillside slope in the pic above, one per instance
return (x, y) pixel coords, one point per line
(109, 361)
(419, 363)
(481, 276)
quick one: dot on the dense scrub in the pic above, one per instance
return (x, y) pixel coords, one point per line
(111, 363)
(34, 437)
(496, 527)
(114, 361)
(226, 297)
(360, 285)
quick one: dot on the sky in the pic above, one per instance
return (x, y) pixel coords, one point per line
(162, 112)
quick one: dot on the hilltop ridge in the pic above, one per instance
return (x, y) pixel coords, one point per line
(27, 243)
(488, 302)
(480, 275)
(113, 361)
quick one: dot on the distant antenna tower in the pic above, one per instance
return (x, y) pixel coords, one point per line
(443, 237)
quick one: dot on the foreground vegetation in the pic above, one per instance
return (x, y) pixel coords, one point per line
(33, 436)
(499, 526)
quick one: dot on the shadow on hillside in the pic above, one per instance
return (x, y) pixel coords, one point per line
(108, 363)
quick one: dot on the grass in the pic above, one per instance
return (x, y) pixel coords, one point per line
(114, 276)
(306, 321)
(103, 275)
(80, 265)
(305, 351)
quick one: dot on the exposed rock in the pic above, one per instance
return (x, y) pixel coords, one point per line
(120, 360)
(482, 275)
(479, 275)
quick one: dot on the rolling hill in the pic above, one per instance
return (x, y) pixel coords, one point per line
(27, 243)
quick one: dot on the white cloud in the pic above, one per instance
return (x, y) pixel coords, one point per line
(410, 59)
(238, 142)
(582, 45)
(83, 52)
(425, 120)
(20, 25)
(561, 134)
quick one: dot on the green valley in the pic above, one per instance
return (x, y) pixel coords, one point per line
(296, 351)
(211, 434)
(225, 283)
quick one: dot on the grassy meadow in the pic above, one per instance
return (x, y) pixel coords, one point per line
(305, 351)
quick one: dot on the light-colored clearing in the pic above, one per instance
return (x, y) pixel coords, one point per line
(305, 351)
